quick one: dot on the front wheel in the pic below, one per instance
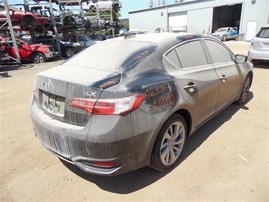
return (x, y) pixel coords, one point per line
(38, 58)
(69, 52)
(245, 91)
(169, 143)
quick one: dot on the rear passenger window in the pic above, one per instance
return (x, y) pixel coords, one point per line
(218, 52)
(192, 54)
(173, 58)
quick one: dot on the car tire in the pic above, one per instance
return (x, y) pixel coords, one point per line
(243, 98)
(169, 143)
(69, 52)
(38, 58)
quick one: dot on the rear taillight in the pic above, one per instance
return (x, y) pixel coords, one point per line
(119, 106)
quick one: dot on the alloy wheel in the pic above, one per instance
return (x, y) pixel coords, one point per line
(172, 143)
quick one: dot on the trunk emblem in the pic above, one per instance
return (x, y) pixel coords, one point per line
(48, 85)
(90, 94)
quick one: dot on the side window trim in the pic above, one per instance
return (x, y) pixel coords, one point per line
(173, 48)
(204, 50)
(209, 54)
(168, 60)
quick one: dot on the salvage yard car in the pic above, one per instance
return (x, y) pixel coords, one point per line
(226, 33)
(83, 40)
(259, 49)
(68, 49)
(102, 5)
(110, 112)
(24, 19)
(36, 53)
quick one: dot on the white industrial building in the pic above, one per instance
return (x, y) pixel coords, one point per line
(204, 16)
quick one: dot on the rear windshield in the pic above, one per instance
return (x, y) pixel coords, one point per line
(263, 33)
(112, 55)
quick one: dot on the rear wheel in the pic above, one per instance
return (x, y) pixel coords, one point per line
(245, 91)
(38, 58)
(169, 143)
(69, 52)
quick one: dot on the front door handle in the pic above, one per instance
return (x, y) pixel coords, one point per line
(190, 87)
(223, 78)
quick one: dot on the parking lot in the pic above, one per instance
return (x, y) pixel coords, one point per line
(225, 160)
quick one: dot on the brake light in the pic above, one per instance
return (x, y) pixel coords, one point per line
(119, 106)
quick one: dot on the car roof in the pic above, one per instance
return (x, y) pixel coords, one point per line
(265, 26)
(153, 37)
(156, 38)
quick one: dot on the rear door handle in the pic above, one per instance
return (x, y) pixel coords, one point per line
(191, 87)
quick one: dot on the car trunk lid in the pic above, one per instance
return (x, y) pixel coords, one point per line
(57, 87)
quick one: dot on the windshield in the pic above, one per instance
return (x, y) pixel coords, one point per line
(112, 55)
(222, 30)
(263, 33)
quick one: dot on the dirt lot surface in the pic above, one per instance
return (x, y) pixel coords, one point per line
(225, 160)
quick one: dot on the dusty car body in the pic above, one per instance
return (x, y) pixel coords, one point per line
(24, 19)
(110, 112)
(226, 33)
(259, 49)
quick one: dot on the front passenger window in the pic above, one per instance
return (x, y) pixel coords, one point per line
(218, 52)
(192, 54)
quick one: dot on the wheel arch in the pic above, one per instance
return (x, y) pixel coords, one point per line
(185, 114)
(251, 76)
(187, 117)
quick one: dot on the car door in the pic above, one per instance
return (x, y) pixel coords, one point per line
(227, 70)
(9, 48)
(196, 78)
(24, 51)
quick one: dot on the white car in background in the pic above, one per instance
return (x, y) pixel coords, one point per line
(259, 49)
(91, 5)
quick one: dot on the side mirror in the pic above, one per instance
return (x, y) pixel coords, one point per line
(240, 59)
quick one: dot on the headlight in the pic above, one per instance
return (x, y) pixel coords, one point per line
(76, 44)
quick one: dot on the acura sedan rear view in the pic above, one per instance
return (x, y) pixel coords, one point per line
(132, 101)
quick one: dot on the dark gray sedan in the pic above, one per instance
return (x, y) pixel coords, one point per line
(132, 101)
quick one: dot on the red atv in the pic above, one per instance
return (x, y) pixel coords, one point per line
(35, 53)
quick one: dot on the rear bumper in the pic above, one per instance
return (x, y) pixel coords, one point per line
(110, 141)
(258, 54)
